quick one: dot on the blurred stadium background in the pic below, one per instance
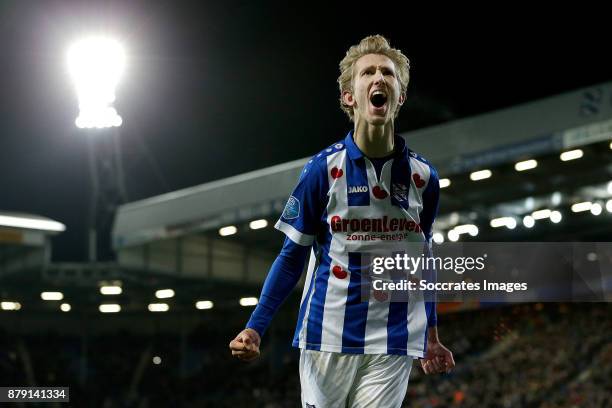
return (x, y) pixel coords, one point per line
(151, 328)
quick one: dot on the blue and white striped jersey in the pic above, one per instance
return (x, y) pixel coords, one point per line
(342, 208)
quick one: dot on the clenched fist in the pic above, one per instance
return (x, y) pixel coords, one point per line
(245, 346)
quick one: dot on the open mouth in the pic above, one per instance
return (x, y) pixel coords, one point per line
(378, 99)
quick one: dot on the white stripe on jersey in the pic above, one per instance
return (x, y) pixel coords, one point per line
(337, 289)
(310, 277)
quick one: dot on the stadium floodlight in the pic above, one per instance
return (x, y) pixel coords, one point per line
(248, 301)
(596, 209)
(556, 198)
(111, 290)
(204, 304)
(438, 237)
(164, 293)
(528, 221)
(609, 187)
(610, 145)
(65, 307)
(157, 360)
(445, 183)
(480, 175)
(583, 206)
(526, 165)
(158, 307)
(508, 222)
(609, 206)
(571, 155)
(541, 214)
(258, 224)
(229, 230)
(110, 308)
(556, 217)
(12, 306)
(96, 65)
(51, 295)
(31, 223)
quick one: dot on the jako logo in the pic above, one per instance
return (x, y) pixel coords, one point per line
(357, 189)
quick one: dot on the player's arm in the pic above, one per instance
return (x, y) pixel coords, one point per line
(438, 358)
(299, 222)
(281, 280)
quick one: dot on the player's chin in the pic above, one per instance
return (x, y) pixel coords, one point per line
(378, 120)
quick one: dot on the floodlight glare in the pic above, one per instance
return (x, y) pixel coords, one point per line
(466, 229)
(51, 295)
(96, 65)
(158, 307)
(541, 214)
(556, 217)
(444, 182)
(204, 304)
(508, 222)
(480, 175)
(110, 308)
(526, 165)
(528, 221)
(571, 155)
(453, 235)
(111, 290)
(10, 305)
(258, 224)
(248, 301)
(583, 206)
(596, 209)
(229, 230)
(164, 293)
(438, 238)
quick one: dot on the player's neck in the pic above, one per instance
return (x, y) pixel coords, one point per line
(374, 141)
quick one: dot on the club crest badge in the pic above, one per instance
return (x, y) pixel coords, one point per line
(400, 192)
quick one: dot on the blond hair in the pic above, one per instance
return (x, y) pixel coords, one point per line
(374, 44)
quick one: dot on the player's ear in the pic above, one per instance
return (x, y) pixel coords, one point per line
(347, 98)
(402, 98)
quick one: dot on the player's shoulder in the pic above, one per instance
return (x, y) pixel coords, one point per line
(432, 170)
(328, 151)
(319, 160)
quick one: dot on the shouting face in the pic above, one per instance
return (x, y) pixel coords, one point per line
(376, 93)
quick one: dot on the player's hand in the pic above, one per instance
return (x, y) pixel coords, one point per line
(438, 359)
(245, 346)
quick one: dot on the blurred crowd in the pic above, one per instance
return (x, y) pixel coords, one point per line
(535, 355)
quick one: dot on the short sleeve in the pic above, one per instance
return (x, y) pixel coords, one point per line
(301, 217)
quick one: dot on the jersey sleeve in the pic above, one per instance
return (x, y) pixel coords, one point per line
(301, 217)
(281, 280)
(431, 197)
(431, 200)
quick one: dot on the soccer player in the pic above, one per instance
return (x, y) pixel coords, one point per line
(364, 194)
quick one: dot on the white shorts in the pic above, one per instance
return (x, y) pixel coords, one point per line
(336, 380)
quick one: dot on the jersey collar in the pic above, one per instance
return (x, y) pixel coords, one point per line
(354, 153)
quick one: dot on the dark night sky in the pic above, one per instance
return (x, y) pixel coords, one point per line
(213, 90)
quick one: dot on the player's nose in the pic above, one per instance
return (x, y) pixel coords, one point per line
(379, 78)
